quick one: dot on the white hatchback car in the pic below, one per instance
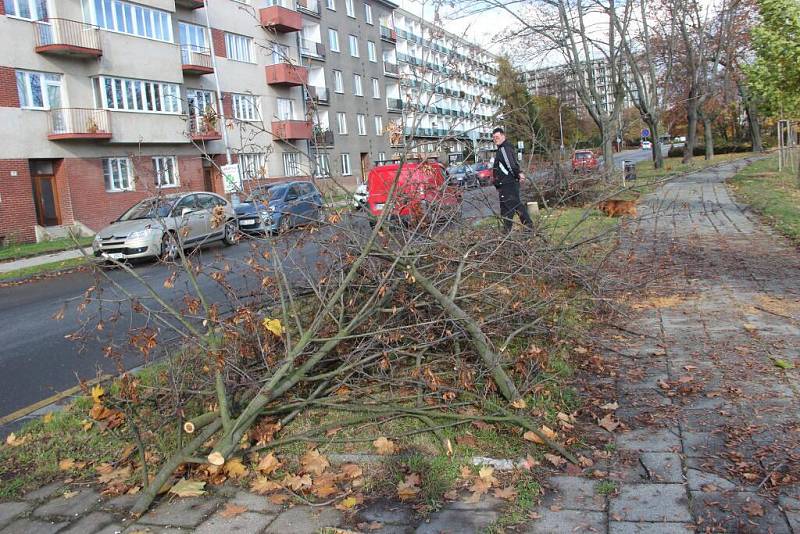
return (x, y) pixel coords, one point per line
(647, 145)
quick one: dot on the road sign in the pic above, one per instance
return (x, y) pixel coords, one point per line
(645, 133)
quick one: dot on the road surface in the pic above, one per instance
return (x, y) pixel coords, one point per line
(636, 155)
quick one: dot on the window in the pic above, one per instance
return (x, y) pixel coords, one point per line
(358, 90)
(381, 156)
(280, 54)
(165, 170)
(252, 166)
(330, 4)
(333, 39)
(345, 161)
(133, 19)
(353, 45)
(285, 109)
(362, 124)
(376, 88)
(239, 47)
(371, 52)
(27, 9)
(378, 125)
(117, 174)
(341, 123)
(368, 13)
(245, 107)
(351, 12)
(123, 94)
(322, 168)
(338, 81)
(38, 90)
(192, 36)
(291, 164)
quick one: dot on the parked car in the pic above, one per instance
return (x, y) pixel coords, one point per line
(584, 160)
(484, 173)
(420, 186)
(462, 175)
(647, 145)
(275, 208)
(158, 226)
(360, 197)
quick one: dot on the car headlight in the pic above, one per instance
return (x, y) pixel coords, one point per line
(265, 215)
(139, 234)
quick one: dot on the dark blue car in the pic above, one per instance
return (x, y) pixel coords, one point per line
(278, 207)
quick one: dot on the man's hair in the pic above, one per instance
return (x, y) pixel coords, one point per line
(498, 130)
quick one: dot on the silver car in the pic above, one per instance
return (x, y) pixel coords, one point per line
(158, 226)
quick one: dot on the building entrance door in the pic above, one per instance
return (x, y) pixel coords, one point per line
(364, 167)
(45, 193)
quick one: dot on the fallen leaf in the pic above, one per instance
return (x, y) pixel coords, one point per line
(709, 488)
(384, 446)
(451, 495)
(263, 485)
(487, 473)
(556, 460)
(188, 488)
(234, 468)
(324, 486)
(86, 425)
(749, 327)
(545, 431)
(783, 364)
(313, 462)
(69, 494)
(580, 350)
(47, 418)
(534, 515)
(409, 488)
(468, 440)
(347, 504)
(97, 393)
(278, 498)
(530, 462)
(68, 463)
(509, 493)
(466, 472)
(753, 509)
(13, 441)
(610, 406)
(297, 482)
(268, 464)
(585, 462)
(608, 423)
(232, 510)
(274, 326)
(351, 471)
(519, 404)
(375, 525)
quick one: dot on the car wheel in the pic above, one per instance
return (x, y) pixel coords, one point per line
(229, 236)
(169, 247)
(283, 224)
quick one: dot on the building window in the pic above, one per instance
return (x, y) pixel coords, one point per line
(351, 12)
(353, 45)
(27, 9)
(333, 39)
(122, 94)
(166, 171)
(338, 82)
(376, 88)
(345, 161)
(341, 123)
(285, 109)
(245, 107)
(252, 166)
(280, 54)
(358, 90)
(239, 47)
(330, 4)
(193, 36)
(368, 13)
(362, 124)
(322, 169)
(291, 164)
(117, 174)
(133, 19)
(378, 125)
(373, 56)
(38, 90)
(381, 156)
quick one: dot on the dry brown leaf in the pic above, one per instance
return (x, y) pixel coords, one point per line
(753, 509)
(384, 445)
(268, 464)
(188, 488)
(487, 473)
(469, 440)
(409, 488)
(278, 498)
(466, 472)
(610, 406)
(296, 482)
(314, 463)
(66, 464)
(554, 459)
(375, 525)
(530, 462)
(351, 471)
(115, 475)
(750, 327)
(263, 485)
(509, 493)
(585, 462)
(546, 431)
(324, 486)
(232, 510)
(13, 441)
(608, 422)
(347, 504)
(580, 350)
(234, 468)
(519, 404)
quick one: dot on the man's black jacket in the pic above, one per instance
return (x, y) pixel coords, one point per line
(506, 168)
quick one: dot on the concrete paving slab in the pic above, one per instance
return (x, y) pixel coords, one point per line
(73, 506)
(651, 502)
(627, 527)
(566, 522)
(181, 512)
(650, 440)
(573, 493)
(247, 522)
(304, 520)
(33, 526)
(456, 521)
(89, 524)
(10, 510)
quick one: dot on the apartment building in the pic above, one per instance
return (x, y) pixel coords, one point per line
(444, 99)
(105, 102)
(343, 44)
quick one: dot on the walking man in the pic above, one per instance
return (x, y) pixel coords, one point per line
(507, 175)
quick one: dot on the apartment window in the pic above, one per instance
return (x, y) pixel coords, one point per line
(333, 40)
(368, 13)
(345, 161)
(353, 45)
(351, 12)
(338, 81)
(376, 88)
(117, 174)
(27, 9)
(322, 169)
(239, 47)
(373, 56)
(123, 94)
(252, 166)
(193, 36)
(285, 109)
(378, 125)
(291, 164)
(358, 90)
(341, 123)
(330, 4)
(38, 90)
(165, 169)
(381, 156)
(362, 124)
(133, 19)
(245, 107)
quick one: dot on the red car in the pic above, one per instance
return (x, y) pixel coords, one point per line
(584, 160)
(484, 172)
(420, 185)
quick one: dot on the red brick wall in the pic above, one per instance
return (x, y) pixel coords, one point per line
(218, 38)
(2, 8)
(17, 210)
(227, 106)
(9, 97)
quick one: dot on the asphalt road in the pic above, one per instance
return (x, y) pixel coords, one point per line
(636, 155)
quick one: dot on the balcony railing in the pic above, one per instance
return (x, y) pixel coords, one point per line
(191, 4)
(291, 129)
(391, 69)
(281, 19)
(312, 48)
(394, 104)
(286, 75)
(309, 6)
(319, 95)
(322, 137)
(388, 34)
(67, 37)
(196, 60)
(201, 128)
(79, 123)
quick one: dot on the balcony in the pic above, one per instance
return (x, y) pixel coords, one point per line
(281, 19)
(67, 38)
(309, 6)
(78, 123)
(391, 69)
(196, 60)
(203, 128)
(322, 137)
(286, 75)
(388, 34)
(190, 4)
(312, 49)
(394, 104)
(289, 130)
(317, 95)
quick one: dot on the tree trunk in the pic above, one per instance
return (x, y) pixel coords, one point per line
(658, 156)
(608, 150)
(755, 128)
(708, 135)
(691, 133)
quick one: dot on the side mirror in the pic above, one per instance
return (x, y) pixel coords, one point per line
(186, 211)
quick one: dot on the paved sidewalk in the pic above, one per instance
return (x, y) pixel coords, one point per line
(24, 263)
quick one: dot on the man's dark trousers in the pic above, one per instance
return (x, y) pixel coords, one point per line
(510, 203)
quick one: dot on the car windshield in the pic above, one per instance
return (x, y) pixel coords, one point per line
(265, 194)
(481, 166)
(458, 170)
(583, 155)
(150, 208)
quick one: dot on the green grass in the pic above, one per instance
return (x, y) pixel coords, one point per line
(43, 268)
(16, 252)
(606, 487)
(569, 226)
(773, 195)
